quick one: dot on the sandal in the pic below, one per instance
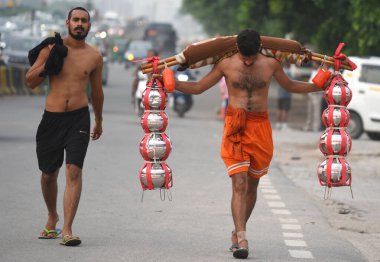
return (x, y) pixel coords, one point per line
(234, 241)
(241, 252)
(71, 241)
(50, 233)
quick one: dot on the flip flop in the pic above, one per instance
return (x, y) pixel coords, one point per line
(70, 241)
(50, 234)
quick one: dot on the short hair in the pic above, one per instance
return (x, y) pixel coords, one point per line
(78, 8)
(248, 41)
(154, 51)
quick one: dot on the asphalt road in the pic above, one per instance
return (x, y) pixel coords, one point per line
(291, 220)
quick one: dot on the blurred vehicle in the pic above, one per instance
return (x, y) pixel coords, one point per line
(2, 46)
(15, 53)
(100, 44)
(141, 86)
(137, 49)
(163, 38)
(364, 107)
(301, 73)
(118, 46)
(182, 102)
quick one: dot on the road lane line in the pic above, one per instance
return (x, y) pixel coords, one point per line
(290, 227)
(288, 220)
(269, 191)
(295, 243)
(291, 239)
(272, 197)
(300, 254)
(291, 234)
(281, 212)
(276, 204)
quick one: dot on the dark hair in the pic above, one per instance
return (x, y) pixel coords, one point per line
(78, 8)
(248, 42)
(154, 51)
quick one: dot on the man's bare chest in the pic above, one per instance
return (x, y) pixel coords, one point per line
(77, 66)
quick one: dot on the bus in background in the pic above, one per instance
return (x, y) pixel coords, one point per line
(163, 38)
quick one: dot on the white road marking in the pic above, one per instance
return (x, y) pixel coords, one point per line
(272, 197)
(295, 243)
(290, 234)
(266, 186)
(291, 239)
(300, 253)
(288, 220)
(281, 212)
(290, 227)
(276, 204)
(269, 191)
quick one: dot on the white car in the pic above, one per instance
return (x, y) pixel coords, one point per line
(364, 107)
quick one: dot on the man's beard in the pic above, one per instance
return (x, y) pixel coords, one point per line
(78, 37)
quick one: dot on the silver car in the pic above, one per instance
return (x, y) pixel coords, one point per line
(16, 50)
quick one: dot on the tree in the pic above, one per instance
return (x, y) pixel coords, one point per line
(322, 23)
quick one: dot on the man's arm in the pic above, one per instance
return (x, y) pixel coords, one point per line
(97, 97)
(202, 85)
(294, 86)
(33, 78)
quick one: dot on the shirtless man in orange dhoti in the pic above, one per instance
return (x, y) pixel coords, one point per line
(247, 145)
(65, 125)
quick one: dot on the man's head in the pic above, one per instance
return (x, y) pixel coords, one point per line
(152, 52)
(78, 23)
(248, 42)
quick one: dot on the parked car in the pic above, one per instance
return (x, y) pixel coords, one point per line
(137, 49)
(15, 53)
(364, 107)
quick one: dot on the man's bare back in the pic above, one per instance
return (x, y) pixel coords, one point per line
(68, 88)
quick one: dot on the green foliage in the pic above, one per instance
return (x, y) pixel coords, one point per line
(322, 23)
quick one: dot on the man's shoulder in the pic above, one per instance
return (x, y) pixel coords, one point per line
(93, 51)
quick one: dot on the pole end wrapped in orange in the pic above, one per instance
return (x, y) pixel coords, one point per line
(168, 80)
(321, 77)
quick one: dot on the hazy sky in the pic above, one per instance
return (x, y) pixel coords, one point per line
(158, 10)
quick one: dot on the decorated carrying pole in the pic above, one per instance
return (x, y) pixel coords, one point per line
(215, 49)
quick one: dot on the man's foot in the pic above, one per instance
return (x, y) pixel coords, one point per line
(50, 234)
(234, 241)
(242, 251)
(50, 230)
(70, 241)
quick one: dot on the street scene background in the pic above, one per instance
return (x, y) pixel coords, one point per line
(293, 218)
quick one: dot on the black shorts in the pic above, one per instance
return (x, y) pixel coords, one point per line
(58, 132)
(284, 103)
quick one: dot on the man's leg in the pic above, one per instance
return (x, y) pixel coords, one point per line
(71, 197)
(252, 183)
(49, 188)
(239, 204)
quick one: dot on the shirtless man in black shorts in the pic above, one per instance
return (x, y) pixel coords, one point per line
(65, 124)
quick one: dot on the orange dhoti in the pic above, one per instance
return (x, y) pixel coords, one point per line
(247, 144)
